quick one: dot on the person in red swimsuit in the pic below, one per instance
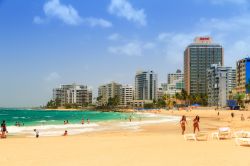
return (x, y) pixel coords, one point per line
(183, 123)
(196, 122)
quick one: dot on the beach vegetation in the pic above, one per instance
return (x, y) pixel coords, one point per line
(239, 97)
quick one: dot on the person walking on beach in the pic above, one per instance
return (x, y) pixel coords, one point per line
(3, 129)
(183, 123)
(242, 117)
(196, 122)
(37, 133)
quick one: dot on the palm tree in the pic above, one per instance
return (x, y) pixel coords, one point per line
(239, 98)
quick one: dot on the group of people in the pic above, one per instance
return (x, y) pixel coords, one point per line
(3, 129)
(18, 124)
(183, 123)
(83, 121)
(37, 133)
(66, 122)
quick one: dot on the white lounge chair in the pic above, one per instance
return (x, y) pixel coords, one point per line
(241, 134)
(223, 133)
(242, 141)
(190, 137)
(200, 136)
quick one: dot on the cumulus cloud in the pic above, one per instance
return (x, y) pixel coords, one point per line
(52, 77)
(65, 13)
(69, 15)
(124, 9)
(133, 48)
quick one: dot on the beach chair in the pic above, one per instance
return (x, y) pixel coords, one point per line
(200, 136)
(190, 137)
(223, 133)
(241, 134)
(242, 141)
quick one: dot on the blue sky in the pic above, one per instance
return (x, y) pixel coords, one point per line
(45, 43)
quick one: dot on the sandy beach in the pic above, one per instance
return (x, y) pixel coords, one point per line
(158, 144)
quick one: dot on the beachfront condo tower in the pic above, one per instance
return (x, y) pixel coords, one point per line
(220, 81)
(146, 85)
(127, 93)
(107, 91)
(198, 57)
(175, 83)
(243, 76)
(73, 94)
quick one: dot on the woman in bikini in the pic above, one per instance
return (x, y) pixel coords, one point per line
(183, 123)
(196, 123)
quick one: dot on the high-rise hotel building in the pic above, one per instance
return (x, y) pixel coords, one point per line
(146, 85)
(198, 57)
(243, 76)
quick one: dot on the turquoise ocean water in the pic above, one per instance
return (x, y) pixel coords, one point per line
(41, 117)
(51, 123)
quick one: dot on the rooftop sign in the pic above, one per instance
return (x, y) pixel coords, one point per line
(203, 40)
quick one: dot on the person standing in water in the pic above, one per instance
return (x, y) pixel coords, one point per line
(130, 118)
(183, 123)
(88, 121)
(82, 121)
(3, 129)
(196, 122)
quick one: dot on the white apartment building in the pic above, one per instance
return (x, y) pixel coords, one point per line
(220, 80)
(73, 94)
(127, 94)
(175, 83)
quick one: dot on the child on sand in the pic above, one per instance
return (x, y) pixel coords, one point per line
(183, 123)
(196, 122)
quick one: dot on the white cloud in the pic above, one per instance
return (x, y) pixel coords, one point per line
(69, 15)
(114, 37)
(52, 77)
(65, 13)
(133, 48)
(97, 22)
(123, 8)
